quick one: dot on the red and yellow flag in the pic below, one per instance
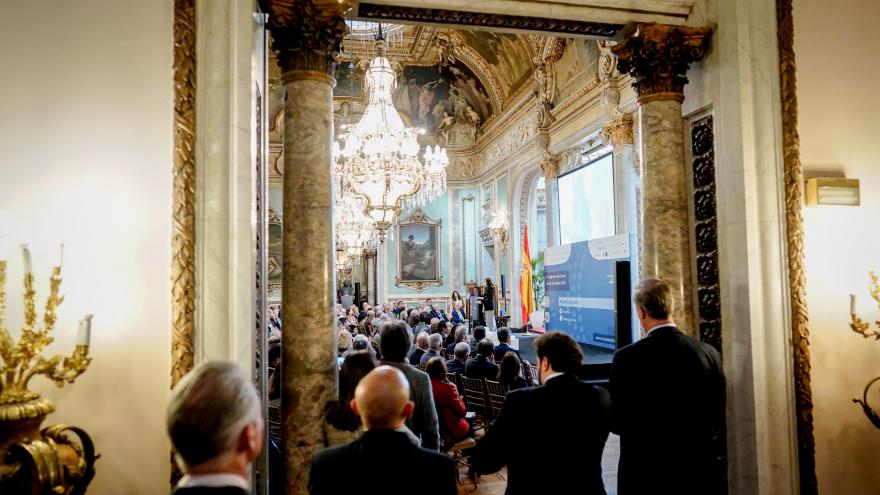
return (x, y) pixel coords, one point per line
(526, 290)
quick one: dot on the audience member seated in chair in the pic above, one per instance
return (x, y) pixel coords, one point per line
(478, 335)
(510, 372)
(458, 316)
(383, 453)
(481, 365)
(450, 406)
(503, 347)
(394, 342)
(459, 335)
(341, 424)
(460, 357)
(415, 355)
(215, 423)
(551, 420)
(434, 343)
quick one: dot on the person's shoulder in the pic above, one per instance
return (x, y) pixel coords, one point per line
(333, 454)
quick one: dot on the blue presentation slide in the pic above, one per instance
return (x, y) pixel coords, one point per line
(579, 279)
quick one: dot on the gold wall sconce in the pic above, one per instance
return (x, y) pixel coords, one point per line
(59, 459)
(498, 230)
(833, 191)
(862, 328)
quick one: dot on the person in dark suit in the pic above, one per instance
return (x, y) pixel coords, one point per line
(458, 316)
(438, 313)
(503, 348)
(397, 465)
(394, 342)
(215, 424)
(457, 364)
(562, 414)
(489, 304)
(668, 402)
(481, 365)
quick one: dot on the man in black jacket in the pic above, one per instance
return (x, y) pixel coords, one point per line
(503, 346)
(216, 429)
(481, 365)
(564, 422)
(668, 400)
(395, 465)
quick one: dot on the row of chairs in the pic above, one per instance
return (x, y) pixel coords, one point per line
(481, 396)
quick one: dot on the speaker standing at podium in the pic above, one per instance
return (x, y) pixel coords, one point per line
(489, 305)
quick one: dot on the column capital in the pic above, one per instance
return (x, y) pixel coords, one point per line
(549, 166)
(657, 56)
(307, 36)
(619, 133)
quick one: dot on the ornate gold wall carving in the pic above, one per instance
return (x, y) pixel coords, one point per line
(794, 180)
(183, 258)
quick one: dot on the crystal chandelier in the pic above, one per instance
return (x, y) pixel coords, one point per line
(380, 158)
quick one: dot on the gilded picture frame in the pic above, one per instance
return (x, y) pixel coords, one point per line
(418, 252)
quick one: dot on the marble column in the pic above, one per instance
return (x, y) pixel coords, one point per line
(307, 36)
(657, 56)
(619, 134)
(550, 169)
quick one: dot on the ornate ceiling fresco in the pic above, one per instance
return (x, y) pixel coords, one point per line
(458, 84)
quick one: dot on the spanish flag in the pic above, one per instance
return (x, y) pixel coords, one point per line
(526, 291)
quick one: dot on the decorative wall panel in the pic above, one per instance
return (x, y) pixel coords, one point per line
(708, 289)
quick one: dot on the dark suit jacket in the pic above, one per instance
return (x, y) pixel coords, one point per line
(210, 490)
(489, 299)
(454, 366)
(564, 423)
(501, 350)
(458, 316)
(391, 463)
(668, 399)
(423, 422)
(480, 367)
(439, 315)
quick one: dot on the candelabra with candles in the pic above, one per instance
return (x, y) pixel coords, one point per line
(498, 229)
(59, 459)
(863, 328)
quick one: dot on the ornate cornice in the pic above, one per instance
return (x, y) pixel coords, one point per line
(409, 15)
(658, 56)
(549, 166)
(307, 35)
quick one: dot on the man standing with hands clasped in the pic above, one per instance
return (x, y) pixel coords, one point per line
(668, 399)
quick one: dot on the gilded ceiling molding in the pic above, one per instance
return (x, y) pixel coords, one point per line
(409, 15)
(183, 257)
(794, 180)
(482, 69)
(553, 50)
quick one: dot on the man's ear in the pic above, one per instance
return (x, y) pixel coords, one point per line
(408, 409)
(354, 407)
(640, 313)
(249, 440)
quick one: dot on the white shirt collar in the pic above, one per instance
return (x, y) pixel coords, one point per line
(213, 480)
(552, 376)
(655, 327)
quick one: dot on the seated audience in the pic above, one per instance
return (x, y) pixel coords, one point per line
(361, 343)
(214, 420)
(394, 342)
(343, 342)
(510, 372)
(415, 355)
(383, 452)
(341, 424)
(460, 356)
(503, 346)
(478, 335)
(433, 351)
(481, 365)
(562, 414)
(458, 316)
(459, 335)
(450, 406)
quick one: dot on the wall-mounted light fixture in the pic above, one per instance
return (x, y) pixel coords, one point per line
(833, 191)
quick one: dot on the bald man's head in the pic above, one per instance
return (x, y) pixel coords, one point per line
(381, 399)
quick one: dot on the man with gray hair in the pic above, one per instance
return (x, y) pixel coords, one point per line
(434, 343)
(461, 352)
(216, 429)
(667, 404)
(415, 355)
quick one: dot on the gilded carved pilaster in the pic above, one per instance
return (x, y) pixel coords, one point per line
(618, 133)
(658, 56)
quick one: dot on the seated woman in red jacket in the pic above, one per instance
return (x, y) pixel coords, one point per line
(450, 407)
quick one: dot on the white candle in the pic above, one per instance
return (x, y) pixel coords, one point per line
(85, 331)
(852, 304)
(26, 257)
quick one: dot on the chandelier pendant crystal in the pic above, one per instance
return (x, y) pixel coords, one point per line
(380, 160)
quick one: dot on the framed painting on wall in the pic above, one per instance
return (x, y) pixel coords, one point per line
(418, 252)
